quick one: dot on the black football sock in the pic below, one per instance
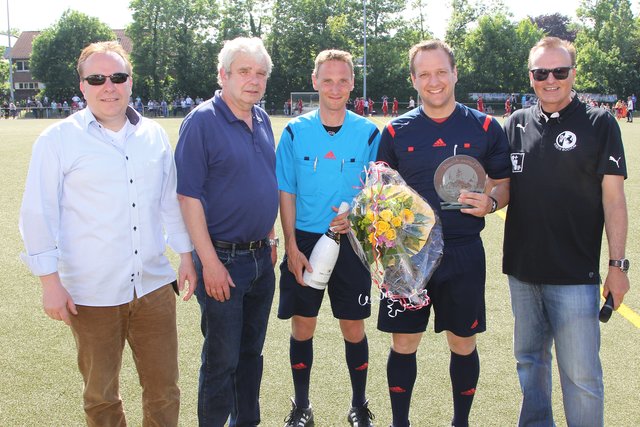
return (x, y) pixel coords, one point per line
(401, 376)
(464, 371)
(301, 357)
(357, 355)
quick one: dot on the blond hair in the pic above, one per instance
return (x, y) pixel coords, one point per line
(553, 43)
(103, 47)
(430, 45)
(333, 55)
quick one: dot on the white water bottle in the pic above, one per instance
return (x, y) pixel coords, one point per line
(324, 256)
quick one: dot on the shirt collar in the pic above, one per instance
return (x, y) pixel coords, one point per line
(222, 106)
(543, 118)
(87, 116)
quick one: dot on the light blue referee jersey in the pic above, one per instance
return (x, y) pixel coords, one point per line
(324, 170)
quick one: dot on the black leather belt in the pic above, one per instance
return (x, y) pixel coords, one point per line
(250, 246)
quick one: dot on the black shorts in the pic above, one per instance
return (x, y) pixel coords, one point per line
(456, 290)
(349, 286)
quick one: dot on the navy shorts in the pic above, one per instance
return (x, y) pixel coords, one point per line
(456, 290)
(349, 286)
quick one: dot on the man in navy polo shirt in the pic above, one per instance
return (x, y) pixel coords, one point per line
(229, 199)
(321, 160)
(415, 144)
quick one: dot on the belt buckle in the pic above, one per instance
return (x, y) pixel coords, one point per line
(254, 245)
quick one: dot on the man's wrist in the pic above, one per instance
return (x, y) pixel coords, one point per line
(494, 204)
(274, 242)
(622, 264)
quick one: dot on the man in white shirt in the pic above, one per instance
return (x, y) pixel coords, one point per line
(100, 190)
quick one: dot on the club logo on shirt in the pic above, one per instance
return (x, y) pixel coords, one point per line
(517, 162)
(566, 141)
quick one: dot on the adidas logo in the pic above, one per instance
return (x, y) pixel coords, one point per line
(439, 143)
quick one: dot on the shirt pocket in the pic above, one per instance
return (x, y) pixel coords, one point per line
(308, 178)
(352, 177)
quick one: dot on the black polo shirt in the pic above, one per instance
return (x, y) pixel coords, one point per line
(555, 218)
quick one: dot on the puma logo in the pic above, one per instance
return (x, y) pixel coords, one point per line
(616, 161)
(524, 130)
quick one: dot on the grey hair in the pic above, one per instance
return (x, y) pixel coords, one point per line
(250, 45)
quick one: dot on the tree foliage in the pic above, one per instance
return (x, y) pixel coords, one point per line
(176, 43)
(556, 25)
(173, 51)
(56, 50)
(494, 55)
(4, 78)
(608, 48)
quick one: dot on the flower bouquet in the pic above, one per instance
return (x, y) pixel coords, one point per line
(396, 235)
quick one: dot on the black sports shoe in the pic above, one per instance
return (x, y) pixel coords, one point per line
(299, 417)
(360, 416)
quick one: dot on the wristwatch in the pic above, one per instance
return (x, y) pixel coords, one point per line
(274, 242)
(622, 264)
(494, 205)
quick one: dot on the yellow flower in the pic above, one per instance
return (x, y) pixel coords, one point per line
(386, 215)
(408, 216)
(372, 239)
(382, 226)
(396, 221)
(370, 216)
(390, 234)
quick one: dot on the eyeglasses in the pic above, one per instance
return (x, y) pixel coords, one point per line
(560, 73)
(100, 79)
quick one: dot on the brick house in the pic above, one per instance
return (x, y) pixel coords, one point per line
(25, 86)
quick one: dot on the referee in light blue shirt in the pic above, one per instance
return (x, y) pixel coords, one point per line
(320, 163)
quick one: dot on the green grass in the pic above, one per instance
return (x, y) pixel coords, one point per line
(41, 385)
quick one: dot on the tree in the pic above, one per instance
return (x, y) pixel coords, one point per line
(173, 51)
(301, 29)
(609, 47)
(495, 56)
(389, 38)
(4, 79)
(56, 50)
(556, 25)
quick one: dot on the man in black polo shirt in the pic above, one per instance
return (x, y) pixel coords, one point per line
(568, 170)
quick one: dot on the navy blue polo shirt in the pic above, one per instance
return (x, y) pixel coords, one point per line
(230, 169)
(415, 145)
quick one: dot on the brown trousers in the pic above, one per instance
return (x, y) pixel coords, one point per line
(148, 324)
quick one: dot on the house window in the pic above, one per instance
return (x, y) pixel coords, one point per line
(22, 65)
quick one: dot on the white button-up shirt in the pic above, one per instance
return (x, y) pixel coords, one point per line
(94, 209)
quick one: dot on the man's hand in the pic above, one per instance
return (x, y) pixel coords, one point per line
(56, 301)
(187, 273)
(481, 203)
(217, 280)
(297, 263)
(617, 283)
(340, 223)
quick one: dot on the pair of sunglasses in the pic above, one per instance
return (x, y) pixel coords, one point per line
(100, 79)
(560, 73)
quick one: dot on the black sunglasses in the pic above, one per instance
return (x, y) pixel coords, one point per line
(100, 79)
(560, 73)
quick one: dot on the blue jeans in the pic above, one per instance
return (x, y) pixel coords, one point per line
(234, 333)
(567, 316)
